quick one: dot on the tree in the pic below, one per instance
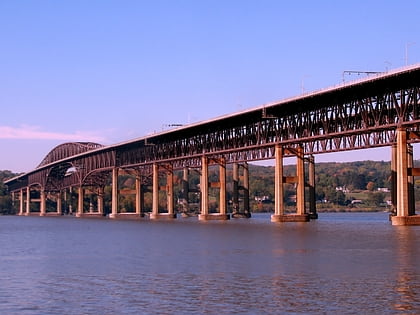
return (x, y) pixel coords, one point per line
(370, 186)
(375, 199)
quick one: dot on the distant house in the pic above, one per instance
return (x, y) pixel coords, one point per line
(342, 188)
(383, 189)
(262, 199)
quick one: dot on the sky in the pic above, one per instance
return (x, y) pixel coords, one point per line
(109, 71)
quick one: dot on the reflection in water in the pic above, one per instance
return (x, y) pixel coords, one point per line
(406, 288)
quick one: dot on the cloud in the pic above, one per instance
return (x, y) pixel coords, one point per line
(35, 133)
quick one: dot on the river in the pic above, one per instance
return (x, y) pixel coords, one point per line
(342, 263)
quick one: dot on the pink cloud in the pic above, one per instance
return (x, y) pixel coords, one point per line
(35, 133)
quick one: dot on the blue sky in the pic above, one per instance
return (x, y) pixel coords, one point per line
(109, 71)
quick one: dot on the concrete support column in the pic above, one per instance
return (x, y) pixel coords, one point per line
(139, 196)
(237, 212)
(155, 200)
(100, 201)
(43, 203)
(80, 201)
(246, 191)
(278, 183)
(235, 197)
(28, 200)
(222, 192)
(70, 200)
(405, 209)
(300, 189)
(114, 194)
(394, 178)
(279, 215)
(411, 196)
(169, 194)
(204, 185)
(21, 202)
(312, 202)
(402, 173)
(185, 190)
(170, 191)
(59, 203)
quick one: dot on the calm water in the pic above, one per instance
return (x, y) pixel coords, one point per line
(341, 264)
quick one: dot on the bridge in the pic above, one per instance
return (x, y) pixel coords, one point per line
(380, 110)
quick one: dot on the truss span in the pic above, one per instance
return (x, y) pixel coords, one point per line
(66, 150)
(351, 116)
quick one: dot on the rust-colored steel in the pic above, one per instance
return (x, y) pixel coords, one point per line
(351, 116)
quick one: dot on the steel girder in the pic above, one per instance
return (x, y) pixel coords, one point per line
(353, 116)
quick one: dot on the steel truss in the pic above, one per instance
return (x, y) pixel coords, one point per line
(353, 116)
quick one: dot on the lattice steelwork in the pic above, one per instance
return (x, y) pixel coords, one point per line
(359, 116)
(352, 116)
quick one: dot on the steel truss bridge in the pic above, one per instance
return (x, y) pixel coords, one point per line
(356, 115)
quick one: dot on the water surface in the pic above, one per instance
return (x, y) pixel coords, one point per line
(343, 263)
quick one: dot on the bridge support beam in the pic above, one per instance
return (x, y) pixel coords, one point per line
(42, 203)
(80, 201)
(278, 185)
(279, 215)
(405, 214)
(28, 201)
(204, 185)
(21, 202)
(185, 190)
(115, 195)
(139, 196)
(313, 215)
(394, 179)
(411, 196)
(58, 208)
(100, 201)
(59, 203)
(235, 197)
(245, 187)
(237, 213)
(156, 215)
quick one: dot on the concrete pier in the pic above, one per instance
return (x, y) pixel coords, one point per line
(279, 179)
(313, 215)
(156, 215)
(80, 202)
(237, 212)
(204, 186)
(405, 214)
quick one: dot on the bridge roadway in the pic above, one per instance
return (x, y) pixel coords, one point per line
(383, 110)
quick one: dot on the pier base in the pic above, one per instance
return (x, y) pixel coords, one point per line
(405, 220)
(313, 216)
(88, 215)
(213, 216)
(126, 216)
(53, 214)
(32, 214)
(245, 215)
(290, 218)
(162, 216)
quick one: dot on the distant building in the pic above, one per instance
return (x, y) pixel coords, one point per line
(262, 199)
(342, 188)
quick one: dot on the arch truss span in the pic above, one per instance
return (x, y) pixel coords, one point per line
(68, 149)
